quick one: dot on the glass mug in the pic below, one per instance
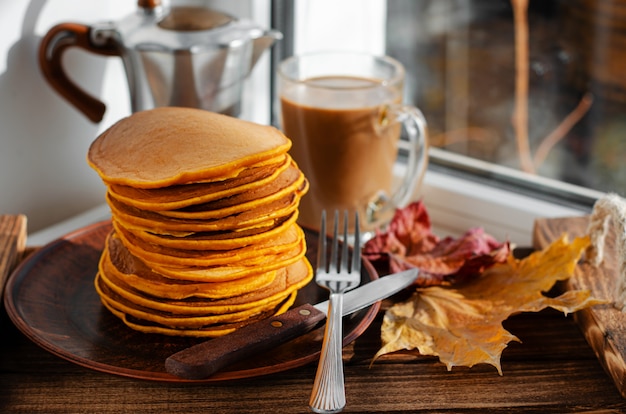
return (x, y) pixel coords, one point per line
(344, 115)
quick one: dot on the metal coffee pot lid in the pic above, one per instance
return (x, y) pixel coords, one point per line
(174, 26)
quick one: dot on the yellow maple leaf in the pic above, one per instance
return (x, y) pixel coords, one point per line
(463, 325)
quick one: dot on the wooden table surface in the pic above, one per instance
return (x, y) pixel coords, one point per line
(552, 371)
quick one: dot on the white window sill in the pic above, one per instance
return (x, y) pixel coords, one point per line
(93, 215)
(456, 205)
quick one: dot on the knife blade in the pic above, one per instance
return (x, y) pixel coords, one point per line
(206, 358)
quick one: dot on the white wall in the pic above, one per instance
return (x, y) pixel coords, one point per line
(332, 25)
(43, 139)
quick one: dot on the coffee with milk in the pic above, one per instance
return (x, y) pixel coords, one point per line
(345, 132)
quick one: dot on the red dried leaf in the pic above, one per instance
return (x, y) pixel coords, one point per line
(409, 242)
(407, 234)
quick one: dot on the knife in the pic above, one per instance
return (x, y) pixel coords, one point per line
(204, 359)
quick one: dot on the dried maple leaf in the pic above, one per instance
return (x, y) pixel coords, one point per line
(408, 242)
(463, 325)
(408, 233)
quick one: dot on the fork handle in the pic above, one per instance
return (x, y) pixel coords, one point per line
(328, 394)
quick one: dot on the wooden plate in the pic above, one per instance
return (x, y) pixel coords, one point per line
(51, 298)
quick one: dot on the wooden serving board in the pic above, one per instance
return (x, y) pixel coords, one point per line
(603, 326)
(12, 243)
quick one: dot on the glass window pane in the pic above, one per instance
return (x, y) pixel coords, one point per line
(534, 86)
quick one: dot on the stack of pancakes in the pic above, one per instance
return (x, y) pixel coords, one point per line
(204, 210)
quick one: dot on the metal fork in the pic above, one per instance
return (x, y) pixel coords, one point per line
(328, 395)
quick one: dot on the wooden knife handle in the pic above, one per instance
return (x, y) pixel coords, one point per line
(204, 359)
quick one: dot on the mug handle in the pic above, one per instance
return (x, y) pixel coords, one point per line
(54, 44)
(414, 123)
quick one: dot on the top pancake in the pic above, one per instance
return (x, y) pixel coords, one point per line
(169, 146)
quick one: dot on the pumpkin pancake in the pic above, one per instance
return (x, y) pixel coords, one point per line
(135, 273)
(175, 320)
(152, 253)
(217, 240)
(151, 283)
(121, 258)
(261, 216)
(197, 314)
(232, 271)
(212, 331)
(288, 280)
(290, 182)
(289, 179)
(180, 196)
(213, 240)
(170, 146)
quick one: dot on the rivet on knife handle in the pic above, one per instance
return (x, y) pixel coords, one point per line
(203, 360)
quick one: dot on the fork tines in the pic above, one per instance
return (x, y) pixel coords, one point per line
(343, 265)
